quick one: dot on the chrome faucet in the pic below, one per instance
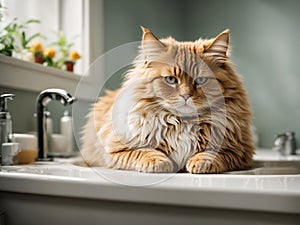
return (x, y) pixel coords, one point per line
(42, 101)
(285, 143)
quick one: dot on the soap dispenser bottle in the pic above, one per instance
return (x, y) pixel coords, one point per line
(5, 122)
(5, 119)
(66, 129)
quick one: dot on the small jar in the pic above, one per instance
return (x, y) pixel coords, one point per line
(28, 148)
(10, 153)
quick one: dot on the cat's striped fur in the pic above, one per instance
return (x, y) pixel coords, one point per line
(181, 107)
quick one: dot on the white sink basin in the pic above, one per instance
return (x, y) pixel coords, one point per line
(270, 162)
(272, 186)
(266, 162)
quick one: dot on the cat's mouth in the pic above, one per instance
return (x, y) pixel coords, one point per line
(186, 110)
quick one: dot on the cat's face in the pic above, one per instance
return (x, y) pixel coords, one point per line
(183, 92)
(185, 77)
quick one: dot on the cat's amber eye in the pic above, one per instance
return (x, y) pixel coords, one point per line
(201, 80)
(171, 80)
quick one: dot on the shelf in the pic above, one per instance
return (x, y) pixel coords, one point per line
(23, 75)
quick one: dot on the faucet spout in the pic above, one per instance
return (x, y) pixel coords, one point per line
(42, 101)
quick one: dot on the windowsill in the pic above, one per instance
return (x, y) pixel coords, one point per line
(23, 75)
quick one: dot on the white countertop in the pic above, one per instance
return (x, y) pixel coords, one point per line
(274, 193)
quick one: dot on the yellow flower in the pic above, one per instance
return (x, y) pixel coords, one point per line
(36, 47)
(49, 52)
(74, 55)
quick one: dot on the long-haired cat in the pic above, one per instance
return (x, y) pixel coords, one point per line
(181, 107)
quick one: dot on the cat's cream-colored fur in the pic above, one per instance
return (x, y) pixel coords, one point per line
(181, 107)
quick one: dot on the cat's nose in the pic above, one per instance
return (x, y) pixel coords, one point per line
(185, 96)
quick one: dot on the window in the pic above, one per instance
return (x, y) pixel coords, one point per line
(55, 15)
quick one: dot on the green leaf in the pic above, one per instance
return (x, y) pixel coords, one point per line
(14, 27)
(23, 39)
(32, 21)
(33, 36)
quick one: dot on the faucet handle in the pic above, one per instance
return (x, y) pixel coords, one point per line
(3, 101)
(279, 142)
(285, 143)
(291, 145)
(290, 135)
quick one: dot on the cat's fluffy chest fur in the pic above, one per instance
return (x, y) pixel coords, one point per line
(164, 131)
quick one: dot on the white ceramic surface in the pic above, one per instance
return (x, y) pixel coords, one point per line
(273, 193)
(273, 155)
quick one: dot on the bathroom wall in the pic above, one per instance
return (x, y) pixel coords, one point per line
(264, 40)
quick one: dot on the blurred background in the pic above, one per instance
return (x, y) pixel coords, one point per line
(265, 38)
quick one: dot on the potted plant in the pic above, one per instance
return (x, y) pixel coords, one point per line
(13, 37)
(48, 55)
(67, 58)
(73, 57)
(37, 49)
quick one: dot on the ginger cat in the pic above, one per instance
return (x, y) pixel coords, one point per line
(181, 107)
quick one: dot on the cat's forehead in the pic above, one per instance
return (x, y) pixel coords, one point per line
(180, 59)
(188, 61)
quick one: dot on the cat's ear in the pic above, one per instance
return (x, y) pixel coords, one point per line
(218, 47)
(152, 47)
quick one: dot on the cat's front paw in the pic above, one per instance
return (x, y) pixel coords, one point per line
(205, 162)
(154, 162)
